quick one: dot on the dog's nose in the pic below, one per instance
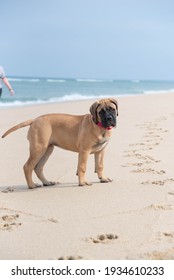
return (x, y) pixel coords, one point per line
(109, 118)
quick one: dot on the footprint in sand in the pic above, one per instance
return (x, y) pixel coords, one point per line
(70, 258)
(103, 238)
(8, 190)
(158, 182)
(152, 136)
(143, 159)
(168, 235)
(151, 143)
(160, 207)
(8, 222)
(147, 125)
(152, 129)
(149, 170)
(129, 164)
(171, 193)
(147, 158)
(145, 147)
(157, 255)
(137, 144)
(53, 220)
(161, 119)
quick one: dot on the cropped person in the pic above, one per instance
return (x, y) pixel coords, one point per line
(4, 79)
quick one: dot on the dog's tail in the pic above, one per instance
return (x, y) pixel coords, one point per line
(23, 124)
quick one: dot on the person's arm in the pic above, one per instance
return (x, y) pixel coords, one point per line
(6, 82)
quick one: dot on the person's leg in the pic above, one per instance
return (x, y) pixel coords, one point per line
(0, 92)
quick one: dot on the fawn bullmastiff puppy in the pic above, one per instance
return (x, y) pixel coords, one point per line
(84, 134)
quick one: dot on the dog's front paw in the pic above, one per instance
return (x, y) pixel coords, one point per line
(85, 184)
(105, 180)
(34, 186)
(49, 183)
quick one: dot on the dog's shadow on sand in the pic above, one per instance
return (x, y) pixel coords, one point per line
(24, 188)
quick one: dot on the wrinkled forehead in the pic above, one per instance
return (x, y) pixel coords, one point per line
(105, 105)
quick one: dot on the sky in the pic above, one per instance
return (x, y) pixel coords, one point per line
(112, 39)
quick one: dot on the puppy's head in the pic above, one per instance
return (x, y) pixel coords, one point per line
(105, 111)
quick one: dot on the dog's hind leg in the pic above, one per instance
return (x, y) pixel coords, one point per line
(39, 167)
(34, 158)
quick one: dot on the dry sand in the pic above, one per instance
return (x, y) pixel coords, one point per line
(130, 218)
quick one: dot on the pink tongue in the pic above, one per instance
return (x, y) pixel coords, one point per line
(107, 128)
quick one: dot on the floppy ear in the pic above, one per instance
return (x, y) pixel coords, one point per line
(114, 101)
(93, 111)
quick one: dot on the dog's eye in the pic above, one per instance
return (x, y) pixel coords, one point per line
(111, 109)
(102, 112)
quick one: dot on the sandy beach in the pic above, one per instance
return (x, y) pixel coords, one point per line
(129, 218)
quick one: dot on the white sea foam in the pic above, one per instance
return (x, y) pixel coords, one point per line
(18, 103)
(157, 91)
(32, 80)
(135, 81)
(90, 80)
(44, 90)
(23, 80)
(65, 98)
(15, 80)
(72, 97)
(55, 81)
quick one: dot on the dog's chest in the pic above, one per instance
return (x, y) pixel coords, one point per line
(101, 143)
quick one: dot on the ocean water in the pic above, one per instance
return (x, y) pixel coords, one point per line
(30, 91)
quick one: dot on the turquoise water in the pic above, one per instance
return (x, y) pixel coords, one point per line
(50, 90)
